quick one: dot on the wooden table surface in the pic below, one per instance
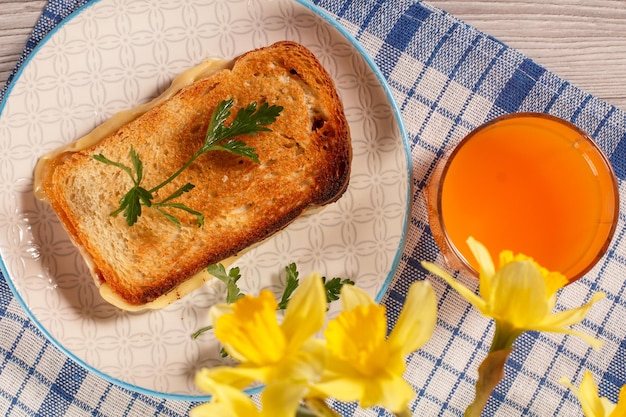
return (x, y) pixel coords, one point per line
(583, 41)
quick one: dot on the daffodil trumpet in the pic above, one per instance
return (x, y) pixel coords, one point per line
(520, 296)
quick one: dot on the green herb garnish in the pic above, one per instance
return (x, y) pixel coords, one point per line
(233, 292)
(333, 287)
(249, 120)
(291, 285)
(230, 278)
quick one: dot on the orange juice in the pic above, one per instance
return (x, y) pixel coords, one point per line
(530, 183)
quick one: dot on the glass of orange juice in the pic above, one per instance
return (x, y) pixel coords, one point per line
(528, 182)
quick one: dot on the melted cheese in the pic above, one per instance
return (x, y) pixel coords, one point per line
(193, 283)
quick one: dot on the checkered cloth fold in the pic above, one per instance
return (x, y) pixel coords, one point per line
(447, 78)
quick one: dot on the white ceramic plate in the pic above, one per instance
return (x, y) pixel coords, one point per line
(113, 55)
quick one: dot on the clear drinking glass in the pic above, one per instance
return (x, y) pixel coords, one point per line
(528, 182)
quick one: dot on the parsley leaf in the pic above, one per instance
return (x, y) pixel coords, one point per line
(291, 285)
(237, 148)
(333, 287)
(248, 121)
(230, 278)
(130, 203)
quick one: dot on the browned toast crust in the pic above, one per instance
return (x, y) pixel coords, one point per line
(305, 161)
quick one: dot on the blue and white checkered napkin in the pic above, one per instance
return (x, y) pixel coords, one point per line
(447, 78)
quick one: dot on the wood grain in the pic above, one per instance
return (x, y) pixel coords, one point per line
(17, 19)
(583, 41)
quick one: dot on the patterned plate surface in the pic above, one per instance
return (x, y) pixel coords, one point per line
(113, 55)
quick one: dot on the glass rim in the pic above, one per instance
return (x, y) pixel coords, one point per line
(449, 158)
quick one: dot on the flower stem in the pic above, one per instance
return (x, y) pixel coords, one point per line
(316, 407)
(490, 372)
(504, 336)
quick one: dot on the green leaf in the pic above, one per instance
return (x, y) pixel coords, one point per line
(181, 206)
(333, 287)
(237, 148)
(105, 160)
(144, 196)
(216, 123)
(130, 204)
(292, 283)
(169, 217)
(230, 278)
(137, 165)
(184, 189)
(248, 121)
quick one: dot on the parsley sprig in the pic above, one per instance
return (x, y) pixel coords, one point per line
(249, 120)
(233, 292)
(230, 278)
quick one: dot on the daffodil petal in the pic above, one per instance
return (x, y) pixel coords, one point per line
(352, 297)
(554, 281)
(486, 267)
(236, 377)
(306, 365)
(392, 393)
(565, 381)
(482, 256)
(588, 396)
(233, 353)
(552, 302)
(282, 399)
(596, 344)
(519, 294)
(341, 388)
(572, 316)
(305, 312)
(465, 292)
(227, 401)
(608, 407)
(313, 353)
(417, 320)
(620, 408)
(217, 310)
(558, 322)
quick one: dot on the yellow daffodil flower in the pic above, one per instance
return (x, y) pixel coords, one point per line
(363, 364)
(519, 296)
(284, 356)
(592, 404)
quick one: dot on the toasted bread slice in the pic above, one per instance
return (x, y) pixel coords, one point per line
(304, 161)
